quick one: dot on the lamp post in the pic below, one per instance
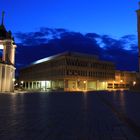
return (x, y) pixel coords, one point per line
(85, 85)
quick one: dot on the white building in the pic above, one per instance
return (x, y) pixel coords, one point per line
(7, 60)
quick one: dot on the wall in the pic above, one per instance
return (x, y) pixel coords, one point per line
(7, 74)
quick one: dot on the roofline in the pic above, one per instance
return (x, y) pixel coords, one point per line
(60, 54)
(64, 54)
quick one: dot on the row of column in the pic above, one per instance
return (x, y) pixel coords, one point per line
(43, 85)
(67, 85)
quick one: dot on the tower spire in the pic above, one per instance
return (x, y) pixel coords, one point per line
(2, 22)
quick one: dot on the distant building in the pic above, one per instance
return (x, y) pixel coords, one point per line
(123, 80)
(71, 71)
(7, 68)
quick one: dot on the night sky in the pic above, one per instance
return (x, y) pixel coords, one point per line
(46, 27)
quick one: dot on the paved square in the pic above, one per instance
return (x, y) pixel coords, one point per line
(70, 116)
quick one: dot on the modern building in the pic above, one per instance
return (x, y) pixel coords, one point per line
(71, 71)
(7, 60)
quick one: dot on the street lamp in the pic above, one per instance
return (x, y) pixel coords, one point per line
(134, 83)
(13, 79)
(21, 85)
(84, 82)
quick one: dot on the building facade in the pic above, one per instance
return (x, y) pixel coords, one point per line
(7, 60)
(123, 80)
(72, 71)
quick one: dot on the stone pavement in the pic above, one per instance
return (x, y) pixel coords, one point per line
(69, 116)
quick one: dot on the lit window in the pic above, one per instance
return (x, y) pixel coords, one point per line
(1, 47)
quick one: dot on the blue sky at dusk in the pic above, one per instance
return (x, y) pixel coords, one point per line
(100, 16)
(46, 27)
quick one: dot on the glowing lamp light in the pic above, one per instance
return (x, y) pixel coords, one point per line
(22, 82)
(13, 79)
(84, 82)
(121, 81)
(134, 83)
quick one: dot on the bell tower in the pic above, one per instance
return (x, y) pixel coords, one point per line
(7, 63)
(7, 41)
(138, 29)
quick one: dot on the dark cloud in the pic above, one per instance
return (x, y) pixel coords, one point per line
(40, 37)
(45, 42)
(31, 38)
(129, 38)
(121, 51)
(92, 35)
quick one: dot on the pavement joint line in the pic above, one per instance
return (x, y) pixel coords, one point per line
(122, 117)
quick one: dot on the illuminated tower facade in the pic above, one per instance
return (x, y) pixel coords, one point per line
(138, 27)
(7, 60)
